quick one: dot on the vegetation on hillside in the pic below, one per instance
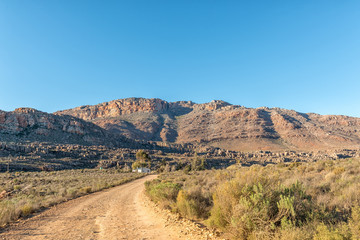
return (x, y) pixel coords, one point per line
(317, 201)
(22, 193)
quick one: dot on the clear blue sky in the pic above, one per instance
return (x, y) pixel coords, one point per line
(298, 54)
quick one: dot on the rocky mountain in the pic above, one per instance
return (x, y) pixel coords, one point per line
(221, 124)
(27, 124)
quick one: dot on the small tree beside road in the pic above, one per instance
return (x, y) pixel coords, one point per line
(142, 160)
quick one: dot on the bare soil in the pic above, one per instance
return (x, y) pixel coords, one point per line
(117, 213)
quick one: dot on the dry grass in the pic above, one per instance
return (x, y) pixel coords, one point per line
(318, 200)
(26, 192)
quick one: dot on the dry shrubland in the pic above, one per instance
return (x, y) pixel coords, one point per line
(22, 193)
(319, 200)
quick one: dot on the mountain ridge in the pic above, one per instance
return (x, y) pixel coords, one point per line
(28, 124)
(220, 124)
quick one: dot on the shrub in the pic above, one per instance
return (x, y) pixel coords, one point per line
(260, 207)
(187, 169)
(197, 163)
(26, 210)
(339, 170)
(193, 205)
(8, 212)
(71, 193)
(325, 233)
(87, 189)
(319, 200)
(162, 192)
(354, 223)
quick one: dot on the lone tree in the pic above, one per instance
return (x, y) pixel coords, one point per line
(142, 160)
(138, 164)
(141, 155)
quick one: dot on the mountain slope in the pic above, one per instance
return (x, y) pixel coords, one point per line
(221, 124)
(27, 124)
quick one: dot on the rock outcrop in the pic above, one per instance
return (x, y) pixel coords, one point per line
(117, 108)
(221, 124)
(27, 124)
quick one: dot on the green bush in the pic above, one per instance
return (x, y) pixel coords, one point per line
(162, 192)
(259, 207)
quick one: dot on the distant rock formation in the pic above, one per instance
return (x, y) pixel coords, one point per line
(221, 124)
(27, 124)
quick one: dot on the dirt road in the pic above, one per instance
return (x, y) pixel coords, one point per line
(117, 213)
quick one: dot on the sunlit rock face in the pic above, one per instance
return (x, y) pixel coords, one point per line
(27, 124)
(221, 124)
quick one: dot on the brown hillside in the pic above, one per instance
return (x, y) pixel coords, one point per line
(27, 124)
(221, 124)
